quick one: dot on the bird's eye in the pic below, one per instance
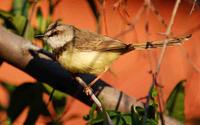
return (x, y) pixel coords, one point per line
(55, 33)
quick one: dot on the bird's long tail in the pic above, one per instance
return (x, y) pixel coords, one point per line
(158, 44)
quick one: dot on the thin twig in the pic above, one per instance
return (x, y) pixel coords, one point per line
(193, 6)
(167, 33)
(104, 17)
(194, 66)
(133, 22)
(89, 92)
(156, 12)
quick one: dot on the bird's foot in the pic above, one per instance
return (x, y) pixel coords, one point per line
(88, 91)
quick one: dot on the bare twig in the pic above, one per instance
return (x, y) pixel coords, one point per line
(89, 92)
(104, 17)
(156, 12)
(193, 6)
(167, 33)
(145, 7)
(132, 23)
(194, 66)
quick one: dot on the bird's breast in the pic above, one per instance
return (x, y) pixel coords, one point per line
(92, 62)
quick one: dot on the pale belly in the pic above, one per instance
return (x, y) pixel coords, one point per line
(91, 62)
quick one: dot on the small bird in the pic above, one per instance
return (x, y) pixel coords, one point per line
(81, 51)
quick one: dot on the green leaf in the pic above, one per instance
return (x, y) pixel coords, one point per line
(17, 23)
(29, 33)
(20, 7)
(59, 105)
(175, 102)
(107, 119)
(57, 94)
(10, 88)
(92, 111)
(154, 92)
(41, 21)
(52, 5)
(127, 119)
(27, 95)
(135, 119)
(58, 98)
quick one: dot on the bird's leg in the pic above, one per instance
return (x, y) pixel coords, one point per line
(88, 92)
(97, 78)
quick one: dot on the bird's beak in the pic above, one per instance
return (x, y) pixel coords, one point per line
(39, 36)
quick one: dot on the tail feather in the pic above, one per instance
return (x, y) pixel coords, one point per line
(158, 44)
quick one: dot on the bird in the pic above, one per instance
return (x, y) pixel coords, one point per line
(82, 51)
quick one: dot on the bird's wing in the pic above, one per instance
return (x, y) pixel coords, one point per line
(88, 41)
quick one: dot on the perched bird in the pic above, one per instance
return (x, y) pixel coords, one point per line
(81, 51)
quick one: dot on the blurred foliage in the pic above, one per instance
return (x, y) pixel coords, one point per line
(135, 117)
(16, 19)
(58, 99)
(31, 95)
(175, 102)
(27, 95)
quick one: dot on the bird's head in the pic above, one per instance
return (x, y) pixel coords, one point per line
(57, 35)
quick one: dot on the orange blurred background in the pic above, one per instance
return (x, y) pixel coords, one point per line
(131, 71)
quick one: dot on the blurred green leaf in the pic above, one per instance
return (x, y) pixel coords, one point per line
(29, 34)
(20, 7)
(10, 88)
(154, 92)
(175, 102)
(52, 5)
(106, 117)
(27, 95)
(127, 119)
(92, 111)
(57, 94)
(41, 21)
(58, 99)
(59, 105)
(135, 119)
(17, 23)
